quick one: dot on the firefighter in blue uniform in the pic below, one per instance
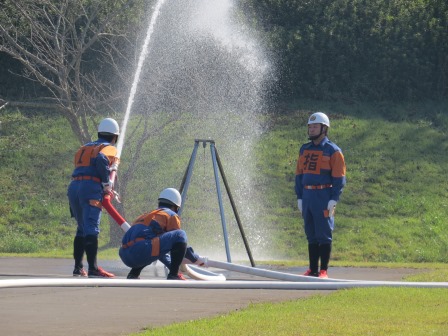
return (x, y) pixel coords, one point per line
(319, 181)
(155, 234)
(90, 181)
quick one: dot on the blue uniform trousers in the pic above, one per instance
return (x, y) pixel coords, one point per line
(318, 225)
(139, 254)
(85, 203)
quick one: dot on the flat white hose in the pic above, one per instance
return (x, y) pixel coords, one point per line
(267, 273)
(198, 273)
(287, 285)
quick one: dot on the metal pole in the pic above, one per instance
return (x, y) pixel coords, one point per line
(182, 184)
(237, 217)
(221, 208)
(187, 176)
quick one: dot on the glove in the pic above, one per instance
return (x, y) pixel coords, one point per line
(115, 163)
(299, 205)
(193, 258)
(108, 187)
(331, 207)
(202, 261)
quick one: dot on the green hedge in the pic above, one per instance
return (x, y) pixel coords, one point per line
(356, 49)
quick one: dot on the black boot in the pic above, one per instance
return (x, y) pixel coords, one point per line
(91, 246)
(135, 272)
(78, 252)
(324, 253)
(313, 254)
(177, 255)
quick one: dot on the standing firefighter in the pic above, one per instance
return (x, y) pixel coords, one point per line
(320, 178)
(156, 233)
(90, 181)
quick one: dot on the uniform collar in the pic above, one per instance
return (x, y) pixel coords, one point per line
(323, 142)
(101, 140)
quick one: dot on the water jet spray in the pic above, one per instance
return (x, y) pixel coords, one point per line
(107, 200)
(141, 60)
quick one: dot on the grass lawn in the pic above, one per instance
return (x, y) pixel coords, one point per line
(367, 311)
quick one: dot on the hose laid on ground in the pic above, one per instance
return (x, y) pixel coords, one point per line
(199, 273)
(286, 285)
(267, 273)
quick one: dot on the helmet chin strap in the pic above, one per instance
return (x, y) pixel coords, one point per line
(314, 137)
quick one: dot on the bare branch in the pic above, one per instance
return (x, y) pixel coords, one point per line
(51, 38)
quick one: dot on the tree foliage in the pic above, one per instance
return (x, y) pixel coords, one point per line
(357, 49)
(338, 49)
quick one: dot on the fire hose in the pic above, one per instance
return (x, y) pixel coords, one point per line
(107, 204)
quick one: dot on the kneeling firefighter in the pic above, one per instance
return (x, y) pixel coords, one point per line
(155, 234)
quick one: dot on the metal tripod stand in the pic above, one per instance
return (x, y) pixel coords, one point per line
(216, 166)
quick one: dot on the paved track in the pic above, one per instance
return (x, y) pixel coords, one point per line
(120, 311)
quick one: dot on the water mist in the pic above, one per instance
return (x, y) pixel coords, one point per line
(205, 76)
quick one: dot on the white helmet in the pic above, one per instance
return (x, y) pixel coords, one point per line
(109, 125)
(319, 118)
(171, 195)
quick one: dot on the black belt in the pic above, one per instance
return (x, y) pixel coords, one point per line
(321, 186)
(82, 178)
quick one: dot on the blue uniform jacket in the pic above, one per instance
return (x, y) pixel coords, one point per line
(94, 159)
(321, 164)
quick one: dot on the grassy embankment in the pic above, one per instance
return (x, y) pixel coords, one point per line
(392, 213)
(395, 205)
(393, 209)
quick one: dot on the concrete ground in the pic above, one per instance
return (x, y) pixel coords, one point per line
(117, 311)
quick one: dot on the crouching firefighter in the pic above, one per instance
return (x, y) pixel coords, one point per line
(155, 234)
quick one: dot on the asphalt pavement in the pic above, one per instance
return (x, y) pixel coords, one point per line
(49, 311)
